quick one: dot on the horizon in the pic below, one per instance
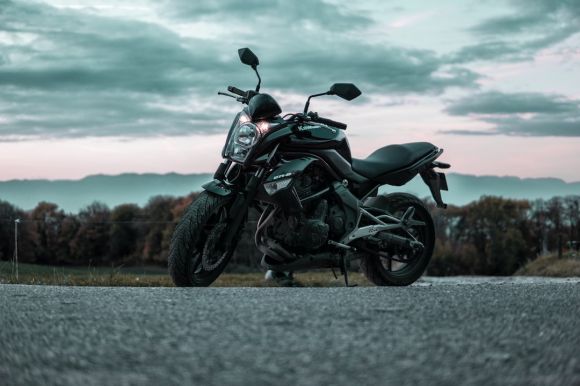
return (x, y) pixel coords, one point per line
(114, 190)
(103, 88)
(211, 173)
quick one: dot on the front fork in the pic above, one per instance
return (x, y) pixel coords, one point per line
(243, 198)
(239, 208)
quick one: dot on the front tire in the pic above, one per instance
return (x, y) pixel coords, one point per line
(373, 266)
(195, 259)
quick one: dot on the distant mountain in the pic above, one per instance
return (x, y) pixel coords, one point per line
(71, 195)
(464, 188)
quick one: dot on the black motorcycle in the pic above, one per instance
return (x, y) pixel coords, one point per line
(318, 206)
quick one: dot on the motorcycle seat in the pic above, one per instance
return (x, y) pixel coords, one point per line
(391, 158)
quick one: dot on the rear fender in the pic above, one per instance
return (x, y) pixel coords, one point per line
(436, 181)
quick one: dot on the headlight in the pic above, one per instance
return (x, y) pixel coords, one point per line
(243, 138)
(247, 134)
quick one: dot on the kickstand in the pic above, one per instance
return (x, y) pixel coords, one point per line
(344, 271)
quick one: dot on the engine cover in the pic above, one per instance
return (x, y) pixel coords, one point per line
(309, 230)
(302, 233)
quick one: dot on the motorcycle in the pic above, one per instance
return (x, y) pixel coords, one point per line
(318, 207)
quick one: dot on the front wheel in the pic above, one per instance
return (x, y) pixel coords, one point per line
(196, 257)
(385, 268)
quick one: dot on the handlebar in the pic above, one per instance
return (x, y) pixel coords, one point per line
(242, 96)
(236, 91)
(245, 96)
(326, 121)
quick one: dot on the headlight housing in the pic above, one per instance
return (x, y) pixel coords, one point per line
(241, 141)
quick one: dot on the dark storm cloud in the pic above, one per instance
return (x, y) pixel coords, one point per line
(81, 74)
(534, 25)
(520, 114)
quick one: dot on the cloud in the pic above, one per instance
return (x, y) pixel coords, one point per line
(306, 46)
(86, 75)
(532, 15)
(286, 14)
(72, 72)
(102, 114)
(498, 103)
(540, 126)
(534, 25)
(520, 114)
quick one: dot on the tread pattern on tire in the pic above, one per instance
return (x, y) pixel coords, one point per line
(186, 236)
(369, 265)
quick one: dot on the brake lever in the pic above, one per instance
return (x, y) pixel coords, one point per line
(226, 94)
(239, 99)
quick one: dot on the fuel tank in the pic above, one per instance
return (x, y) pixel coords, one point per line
(318, 137)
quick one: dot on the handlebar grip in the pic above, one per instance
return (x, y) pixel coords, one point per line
(330, 122)
(236, 90)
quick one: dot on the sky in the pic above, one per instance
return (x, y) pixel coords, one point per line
(106, 87)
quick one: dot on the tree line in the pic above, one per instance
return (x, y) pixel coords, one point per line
(491, 236)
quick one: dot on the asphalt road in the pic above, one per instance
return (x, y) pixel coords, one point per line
(439, 332)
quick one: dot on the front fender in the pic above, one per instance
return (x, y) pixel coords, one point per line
(218, 187)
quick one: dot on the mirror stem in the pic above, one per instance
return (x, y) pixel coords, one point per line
(313, 96)
(259, 78)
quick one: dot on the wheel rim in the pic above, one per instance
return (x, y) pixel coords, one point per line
(213, 255)
(388, 261)
(203, 260)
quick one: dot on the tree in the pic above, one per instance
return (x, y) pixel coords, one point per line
(488, 237)
(572, 215)
(124, 231)
(47, 222)
(8, 213)
(68, 230)
(91, 241)
(554, 221)
(158, 213)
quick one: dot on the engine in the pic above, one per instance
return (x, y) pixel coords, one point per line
(310, 229)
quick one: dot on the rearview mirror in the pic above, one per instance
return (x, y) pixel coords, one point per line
(346, 91)
(248, 57)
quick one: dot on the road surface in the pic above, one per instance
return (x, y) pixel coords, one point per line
(438, 332)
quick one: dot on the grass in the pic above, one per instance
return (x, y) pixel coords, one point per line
(158, 277)
(551, 265)
(152, 277)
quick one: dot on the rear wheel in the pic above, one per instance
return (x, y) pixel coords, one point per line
(196, 257)
(397, 267)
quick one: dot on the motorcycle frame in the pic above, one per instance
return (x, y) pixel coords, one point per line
(244, 191)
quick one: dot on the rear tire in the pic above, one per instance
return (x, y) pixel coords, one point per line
(372, 265)
(190, 242)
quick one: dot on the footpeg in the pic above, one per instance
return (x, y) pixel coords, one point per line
(341, 245)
